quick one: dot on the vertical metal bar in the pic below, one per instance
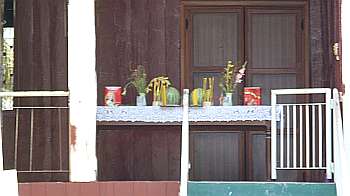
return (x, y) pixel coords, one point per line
(282, 139)
(328, 133)
(294, 136)
(273, 136)
(31, 139)
(16, 137)
(301, 133)
(307, 135)
(288, 137)
(313, 136)
(320, 138)
(59, 136)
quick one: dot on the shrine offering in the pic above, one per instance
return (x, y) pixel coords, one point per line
(159, 86)
(113, 95)
(138, 79)
(230, 79)
(208, 97)
(252, 96)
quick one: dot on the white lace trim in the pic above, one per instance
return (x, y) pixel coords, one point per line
(174, 114)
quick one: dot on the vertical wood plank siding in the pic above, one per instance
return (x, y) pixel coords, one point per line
(40, 64)
(127, 33)
(136, 32)
(139, 153)
(164, 188)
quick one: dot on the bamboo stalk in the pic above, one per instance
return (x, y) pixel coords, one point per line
(163, 93)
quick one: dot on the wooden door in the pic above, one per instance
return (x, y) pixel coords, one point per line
(213, 36)
(271, 40)
(229, 153)
(275, 49)
(217, 154)
(257, 154)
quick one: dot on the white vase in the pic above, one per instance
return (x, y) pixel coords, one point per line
(141, 99)
(207, 103)
(227, 100)
(156, 103)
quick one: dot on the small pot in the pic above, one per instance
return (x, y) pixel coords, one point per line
(156, 103)
(141, 99)
(207, 103)
(227, 100)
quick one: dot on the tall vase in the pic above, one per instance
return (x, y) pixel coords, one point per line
(141, 99)
(227, 99)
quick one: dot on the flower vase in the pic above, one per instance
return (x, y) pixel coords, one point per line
(156, 103)
(227, 100)
(207, 103)
(141, 99)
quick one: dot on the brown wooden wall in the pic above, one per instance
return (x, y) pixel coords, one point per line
(128, 32)
(170, 188)
(136, 32)
(148, 33)
(40, 64)
(139, 153)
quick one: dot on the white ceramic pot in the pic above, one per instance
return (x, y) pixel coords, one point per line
(227, 100)
(141, 99)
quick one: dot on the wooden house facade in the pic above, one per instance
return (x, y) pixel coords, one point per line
(287, 44)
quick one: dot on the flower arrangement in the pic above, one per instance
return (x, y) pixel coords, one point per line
(138, 79)
(231, 77)
(208, 90)
(159, 86)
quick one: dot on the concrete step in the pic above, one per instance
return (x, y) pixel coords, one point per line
(260, 189)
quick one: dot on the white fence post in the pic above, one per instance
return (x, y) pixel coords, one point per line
(273, 136)
(329, 133)
(185, 133)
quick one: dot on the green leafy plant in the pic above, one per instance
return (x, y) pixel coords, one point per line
(138, 79)
(231, 77)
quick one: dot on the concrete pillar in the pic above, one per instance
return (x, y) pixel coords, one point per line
(83, 88)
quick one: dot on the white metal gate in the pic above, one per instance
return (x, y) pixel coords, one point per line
(301, 132)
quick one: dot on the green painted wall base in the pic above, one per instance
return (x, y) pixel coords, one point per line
(260, 189)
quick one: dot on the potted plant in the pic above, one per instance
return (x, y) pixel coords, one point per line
(138, 79)
(231, 77)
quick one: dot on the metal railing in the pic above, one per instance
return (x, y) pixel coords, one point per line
(298, 134)
(33, 111)
(341, 159)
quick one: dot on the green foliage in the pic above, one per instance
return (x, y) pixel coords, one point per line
(231, 77)
(138, 79)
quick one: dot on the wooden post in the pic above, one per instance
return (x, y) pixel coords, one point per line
(82, 86)
(345, 28)
(184, 145)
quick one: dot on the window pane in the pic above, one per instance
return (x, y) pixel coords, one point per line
(215, 38)
(274, 81)
(272, 40)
